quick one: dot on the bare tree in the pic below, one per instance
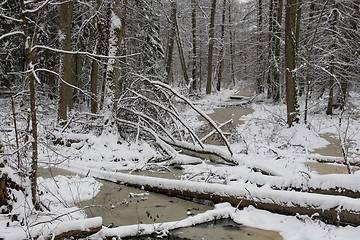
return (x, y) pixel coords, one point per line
(290, 63)
(211, 47)
(66, 92)
(222, 47)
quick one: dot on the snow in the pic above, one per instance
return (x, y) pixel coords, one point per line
(271, 147)
(67, 189)
(289, 227)
(59, 194)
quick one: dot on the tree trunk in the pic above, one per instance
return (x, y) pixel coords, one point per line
(270, 82)
(211, 47)
(29, 56)
(65, 97)
(232, 53)
(222, 48)
(297, 39)
(259, 49)
(113, 71)
(181, 53)
(309, 55)
(171, 40)
(123, 59)
(94, 75)
(333, 26)
(290, 63)
(337, 212)
(103, 31)
(194, 45)
(34, 158)
(277, 70)
(78, 74)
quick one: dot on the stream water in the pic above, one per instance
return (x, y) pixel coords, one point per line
(120, 205)
(123, 205)
(333, 149)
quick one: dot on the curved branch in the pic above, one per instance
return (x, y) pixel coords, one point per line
(205, 116)
(172, 113)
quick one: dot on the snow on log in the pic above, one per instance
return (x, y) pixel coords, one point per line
(330, 208)
(80, 228)
(220, 211)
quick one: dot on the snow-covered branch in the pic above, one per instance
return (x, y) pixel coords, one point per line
(79, 52)
(6, 35)
(170, 112)
(35, 9)
(207, 118)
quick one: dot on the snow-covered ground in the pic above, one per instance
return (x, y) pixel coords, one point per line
(263, 142)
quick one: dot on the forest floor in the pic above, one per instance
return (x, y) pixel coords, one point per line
(261, 140)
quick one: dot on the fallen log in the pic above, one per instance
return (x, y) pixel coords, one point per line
(237, 97)
(338, 210)
(76, 228)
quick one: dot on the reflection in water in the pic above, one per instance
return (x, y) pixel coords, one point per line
(121, 205)
(225, 230)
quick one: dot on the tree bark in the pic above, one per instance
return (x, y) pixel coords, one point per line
(29, 56)
(171, 40)
(232, 52)
(113, 71)
(333, 26)
(277, 71)
(259, 49)
(211, 48)
(270, 82)
(65, 96)
(94, 75)
(194, 46)
(181, 53)
(222, 48)
(290, 63)
(123, 59)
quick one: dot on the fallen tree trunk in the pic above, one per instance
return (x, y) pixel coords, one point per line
(236, 97)
(331, 209)
(77, 228)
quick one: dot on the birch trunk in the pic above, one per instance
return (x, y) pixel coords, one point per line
(112, 71)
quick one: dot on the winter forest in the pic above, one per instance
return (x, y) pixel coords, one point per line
(188, 119)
